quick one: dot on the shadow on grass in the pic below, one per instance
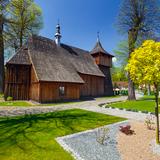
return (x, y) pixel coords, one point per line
(16, 131)
(33, 136)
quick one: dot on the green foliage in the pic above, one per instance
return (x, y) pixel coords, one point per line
(33, 137)
(122, 53)
(9, 98)
(1, 96)
(144, 63)
(25, 19)
(118, 74)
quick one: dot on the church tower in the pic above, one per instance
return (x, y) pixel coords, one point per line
(104, 60)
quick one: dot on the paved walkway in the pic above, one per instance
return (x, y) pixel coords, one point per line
(15, 111)
(90, 105)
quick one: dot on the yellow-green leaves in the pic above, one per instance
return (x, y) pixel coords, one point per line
(144, 63)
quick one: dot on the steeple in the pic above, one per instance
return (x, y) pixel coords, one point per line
(98, 40)
(58, 34)
(98, 48)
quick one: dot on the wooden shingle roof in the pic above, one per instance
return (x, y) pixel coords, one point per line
(21, 57)
(99, 49)
(58, 63)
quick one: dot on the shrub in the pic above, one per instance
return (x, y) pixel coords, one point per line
(101, 105)
(134, 110)
(9, 98)
(150, 122)
(1, 96)
(144, 111)
(126, 130)
(102, 135)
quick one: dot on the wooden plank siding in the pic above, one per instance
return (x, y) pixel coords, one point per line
(102, 59)
(22, 84)
(49, 91)
(34, 87)
(17, 83)
(105, 61)
(94, 86)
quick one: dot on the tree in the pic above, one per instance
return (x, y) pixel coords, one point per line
(138, 19)
(27, 19)
(18, 20)
(3, 4)
(118, 74)
(144, 68)
(121, 54)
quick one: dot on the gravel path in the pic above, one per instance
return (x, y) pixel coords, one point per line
(84, 146)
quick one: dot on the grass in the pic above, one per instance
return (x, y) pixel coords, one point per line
(25, 103)
(15, 103)
(59, 103)
(107, 97)
(146, 97)
(146, 103)
(33, 137)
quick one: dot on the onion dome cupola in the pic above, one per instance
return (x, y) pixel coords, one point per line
(58, 35)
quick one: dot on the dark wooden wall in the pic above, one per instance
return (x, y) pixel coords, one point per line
(17, 83)
(108, 87)
(49, 91)
(94, 86)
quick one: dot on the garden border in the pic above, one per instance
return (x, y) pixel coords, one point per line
(75, 155)
(106, 105)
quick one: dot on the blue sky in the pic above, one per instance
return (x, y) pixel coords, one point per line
(80, 20)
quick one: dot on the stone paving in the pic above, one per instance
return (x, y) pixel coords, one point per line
(15, 111)
(90, 105)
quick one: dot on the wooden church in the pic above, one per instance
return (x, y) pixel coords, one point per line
(46, 70)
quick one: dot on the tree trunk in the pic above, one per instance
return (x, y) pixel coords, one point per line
(1, 56)
(131, 90)
(149, 89)
(132, 37)
(157, 113)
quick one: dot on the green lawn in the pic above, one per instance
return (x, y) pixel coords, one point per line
(140, 105)
(15, 103)
(25, 103)
(145, 97)
(33, 137)
(59, 103)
